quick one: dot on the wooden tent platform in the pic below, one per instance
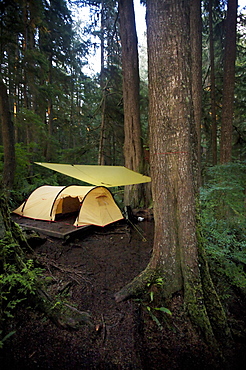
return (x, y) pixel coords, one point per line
(59, 229)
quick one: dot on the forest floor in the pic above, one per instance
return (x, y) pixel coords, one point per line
(88, 271)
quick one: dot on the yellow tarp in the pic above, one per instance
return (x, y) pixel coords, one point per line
(99, 175)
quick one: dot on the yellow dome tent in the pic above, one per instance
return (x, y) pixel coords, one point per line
(94, 205)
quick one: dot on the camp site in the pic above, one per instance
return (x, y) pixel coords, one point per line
(122, 185)
(89, 205)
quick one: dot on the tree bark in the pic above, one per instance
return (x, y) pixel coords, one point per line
(228, 82)
(196, 72)
(171, 130)
(130, 69)
(101, 149)
(212, 87)
(49, 118)
(7, 137)
(177, 246)
(103, 85)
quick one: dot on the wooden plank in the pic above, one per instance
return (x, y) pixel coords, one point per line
(59, 229)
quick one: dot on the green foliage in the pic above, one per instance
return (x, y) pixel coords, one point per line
(22, 173)
(7, 336)
(18, 280)
(15, 283)
(28, 176)
(151, 304)
(224, 194)
(223, 219)
(239, 107)
(26, 119)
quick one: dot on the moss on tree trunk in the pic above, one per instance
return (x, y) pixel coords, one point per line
(213, 304)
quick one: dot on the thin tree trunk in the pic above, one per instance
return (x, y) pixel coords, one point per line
(212, 88)
(50, 115)
(228, 82)
(101, 156)
(130, 68)
(196, 73)
(7, 137)
(103, 85)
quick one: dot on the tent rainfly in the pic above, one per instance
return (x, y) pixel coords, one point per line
(108, 176)
(94, 205)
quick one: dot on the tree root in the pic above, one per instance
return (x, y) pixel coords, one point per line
(137, 286)
(213, 305)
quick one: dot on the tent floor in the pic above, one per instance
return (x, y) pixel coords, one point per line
(62, 229)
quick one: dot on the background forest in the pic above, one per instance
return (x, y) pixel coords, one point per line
(65, 112)
(59, 111)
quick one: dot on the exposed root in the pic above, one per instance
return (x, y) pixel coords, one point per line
(137, 286)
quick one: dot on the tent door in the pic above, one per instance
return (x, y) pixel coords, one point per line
(68, 206)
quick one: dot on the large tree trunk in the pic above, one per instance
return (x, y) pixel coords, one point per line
(177, 250)
(196, 71)
(130, 67)
(7, 137)
(171, 142)
(228, 82)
